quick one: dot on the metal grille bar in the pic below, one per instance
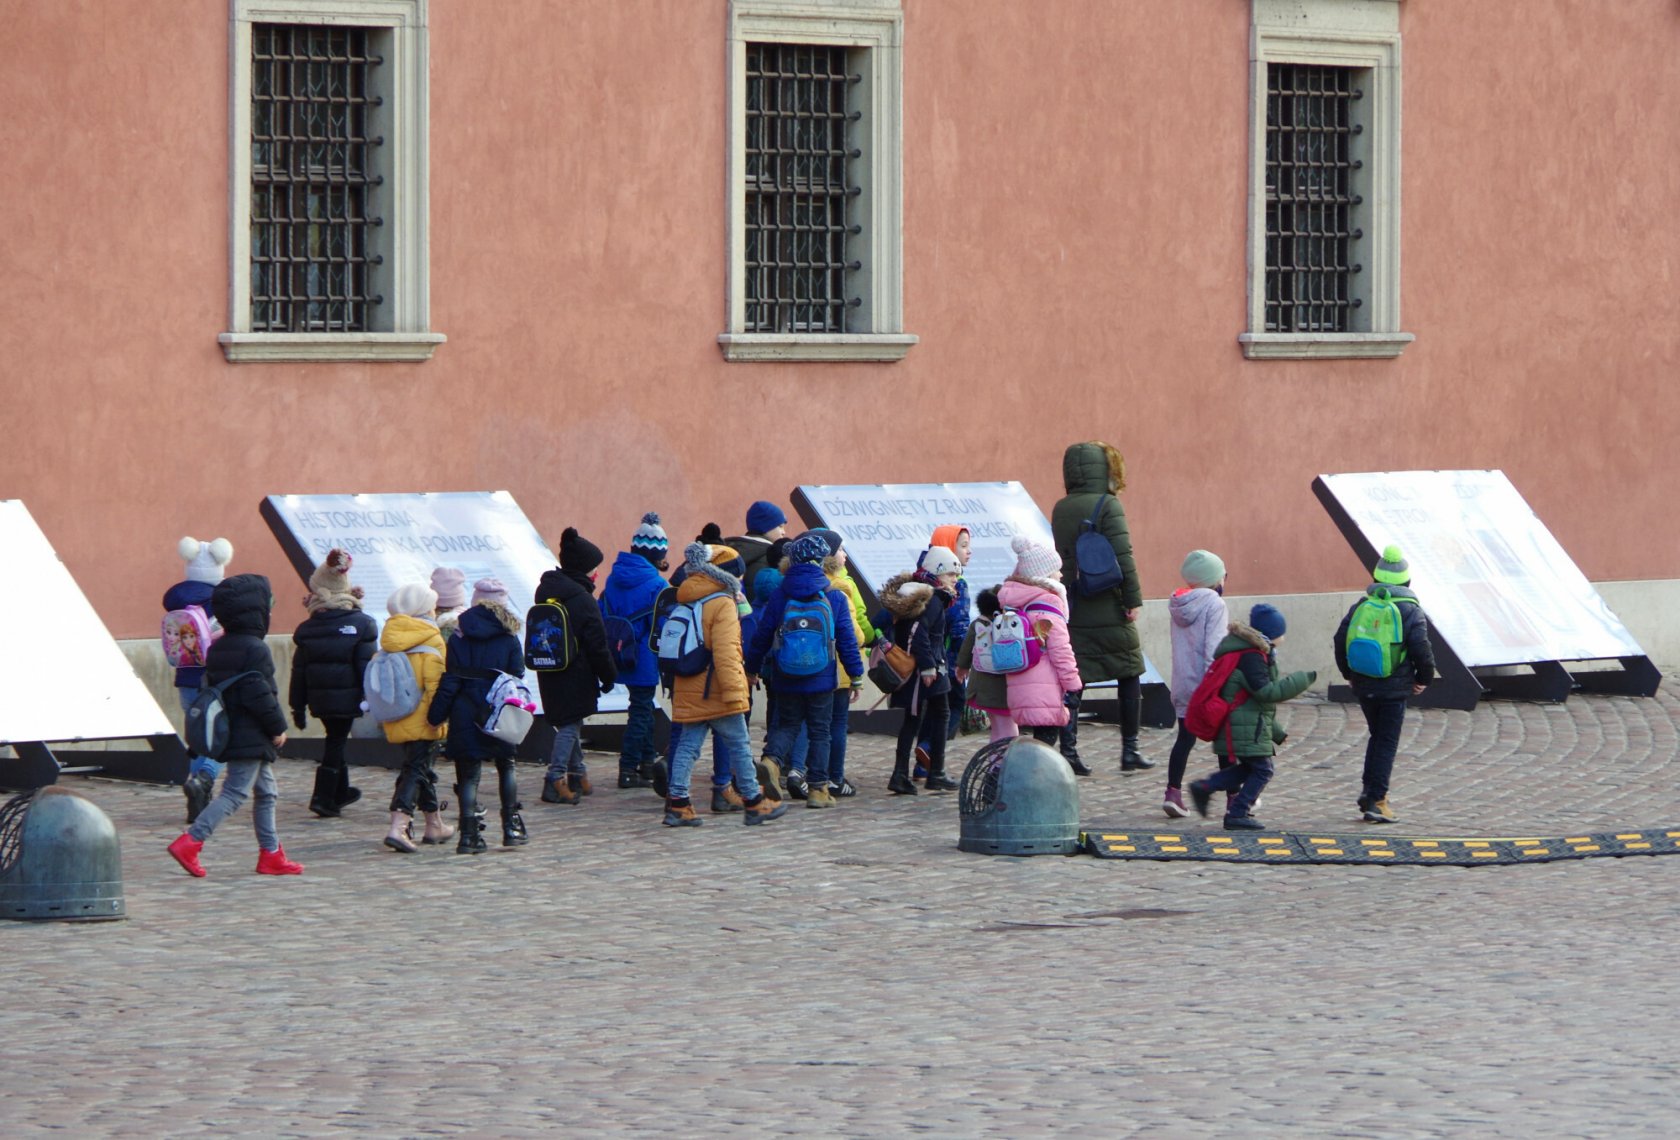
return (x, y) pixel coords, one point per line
(312, 179)
(798, 189)
(1310, 197)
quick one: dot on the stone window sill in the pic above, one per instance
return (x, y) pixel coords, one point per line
(403, 347)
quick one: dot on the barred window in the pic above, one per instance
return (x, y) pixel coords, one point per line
(799, 189)
(1313, 181)
(314, 215)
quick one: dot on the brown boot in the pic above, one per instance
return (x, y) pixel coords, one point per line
(581, 784)
(680, 813)
(763, 809)
(726, 799)
(769, 775)
(559, 792)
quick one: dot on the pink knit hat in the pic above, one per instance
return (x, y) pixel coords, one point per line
(490, 590)
(1033, 560)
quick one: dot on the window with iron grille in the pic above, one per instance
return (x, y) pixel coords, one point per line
(314, 183)
(799, 189)
(1313, 179)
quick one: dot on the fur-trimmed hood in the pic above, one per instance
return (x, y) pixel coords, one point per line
(1251, 635)
(904, 597)
(1049, 585)
(489, 619)
(707, 579)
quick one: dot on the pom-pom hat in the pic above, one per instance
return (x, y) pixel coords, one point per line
(1392, 569)
(1033, 560)
(650, 537)
(205, 559)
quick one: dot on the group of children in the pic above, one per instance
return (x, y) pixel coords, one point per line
(800, 629)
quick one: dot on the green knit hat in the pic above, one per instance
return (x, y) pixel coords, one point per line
(1393, 568)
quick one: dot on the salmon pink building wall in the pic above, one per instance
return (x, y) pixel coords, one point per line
(1075, 243)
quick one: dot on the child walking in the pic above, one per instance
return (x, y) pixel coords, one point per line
(256, 725)
(630, 597)
(205, 561)
(1200, 620)
(330, 652)
(413, 632)
(1044, 695)
(1252, 733)
(569, 695)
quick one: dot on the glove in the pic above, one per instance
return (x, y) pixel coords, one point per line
(300, 718)
(608, 686)
(929, 676)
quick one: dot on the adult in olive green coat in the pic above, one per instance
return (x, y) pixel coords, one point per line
(1103, 628)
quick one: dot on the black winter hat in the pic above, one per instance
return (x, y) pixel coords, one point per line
(577, 553)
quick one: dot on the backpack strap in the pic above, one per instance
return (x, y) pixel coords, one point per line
(1096, 514)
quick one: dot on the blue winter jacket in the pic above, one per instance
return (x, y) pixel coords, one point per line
(481, 642)
(805, 580)
(956, 625)
(630, 592)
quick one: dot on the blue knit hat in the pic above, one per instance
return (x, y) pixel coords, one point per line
(830, 537)
(1268, 621)
(807, 548)
(650, 538)
(763, 517)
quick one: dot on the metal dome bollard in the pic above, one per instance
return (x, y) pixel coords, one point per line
(1019, 797)
(59, 859)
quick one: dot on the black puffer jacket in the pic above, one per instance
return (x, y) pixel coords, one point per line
(242, 604)
(918, 610)
(331, 650)
(484, 641)
(570, 694)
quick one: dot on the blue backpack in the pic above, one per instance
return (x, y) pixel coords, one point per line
(1096, 568)
(805, 639)
(624, 638)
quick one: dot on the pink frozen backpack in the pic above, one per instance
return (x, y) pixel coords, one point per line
(186, 637)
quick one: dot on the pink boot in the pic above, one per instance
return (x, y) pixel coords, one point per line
(186, 849)
(275, 863)
(1173, 804)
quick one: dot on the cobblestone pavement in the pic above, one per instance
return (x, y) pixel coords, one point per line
(851, 973)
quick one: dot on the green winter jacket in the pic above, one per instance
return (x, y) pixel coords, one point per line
(1105, 641)
(1254, 727)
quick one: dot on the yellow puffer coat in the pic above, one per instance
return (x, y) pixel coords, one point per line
(721, 623)
(842, 581)
(402, 633)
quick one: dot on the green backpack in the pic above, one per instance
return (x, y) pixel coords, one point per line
(1376, 636)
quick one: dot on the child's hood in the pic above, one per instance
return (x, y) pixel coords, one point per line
(488, 619)
(1190, 607)
(805, 580)
(1238, 631)
(404, 631)
(904, 597)
(243, 604)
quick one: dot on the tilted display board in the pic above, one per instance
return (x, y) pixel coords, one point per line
(400, 538)
(1498, 587)
(886, 527)
(62, 676)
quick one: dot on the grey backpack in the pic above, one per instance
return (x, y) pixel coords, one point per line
(391, 686)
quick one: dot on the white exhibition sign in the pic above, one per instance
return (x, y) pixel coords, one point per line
(62, 676)
(1492, 578)
(400, 538)
(887, 526)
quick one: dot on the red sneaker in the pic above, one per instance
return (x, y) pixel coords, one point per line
(275, 863)
(186, 849)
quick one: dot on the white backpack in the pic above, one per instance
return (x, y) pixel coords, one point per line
(983, 645)
(391, 686)
(511, 709)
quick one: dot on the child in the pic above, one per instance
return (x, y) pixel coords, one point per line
(1199, 621)
(205, 562)
(988, 692)
(412, 624)
(716, 698)
(570, 694)
(451, 587)
(1383, 699)
(851, 685)
(1042, 696)
(256, 725)
(330, 652)
(1252, 734)
(917, 603)
(765, 524)
(803, 677)
(486, 641)
(631, 593)
(955, 539)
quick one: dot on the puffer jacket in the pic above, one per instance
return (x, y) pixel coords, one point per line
(1105, 640)
(485, 639)
(917, 610)
(330, 652)
(806, 580)
(722, 689)
(754, 550)
(570, 694)
(630, 592)
(1417, 667)
(402, 633)
(179, 597)
(1200, 619)
(1253, 728)
(835, 568)
(242, 604)
(1036, 696)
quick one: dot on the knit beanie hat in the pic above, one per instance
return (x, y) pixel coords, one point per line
(1033, 560)
(205, 559)
(650, 538)
(490, 590)
(413, 599)
(1392, 568)
(577, 553)
(830, 537)
(451, 587)
(1268, 621)
(937, 560)
(763, 517)
(711, 534)
(1202, 569)
(807, 548)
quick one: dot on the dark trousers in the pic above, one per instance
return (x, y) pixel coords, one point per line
(417, 782)
(332, 749)
(466, 786)
(1383, 716)
(1248, 777)
(955, 699)
(638, 748)
(815, 711)
(1131, 717)
(933, 713)
(1179, 758)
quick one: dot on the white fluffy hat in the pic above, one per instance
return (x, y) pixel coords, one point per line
(205, 559)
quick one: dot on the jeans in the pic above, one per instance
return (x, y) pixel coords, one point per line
(241, 776)
(1248, 777)
(1179, 758)
(721, 771)
(637, 748)
(1383, 716)
(838, 728)
(732, 737)
(815, 711)
(417, 782)
(568, 751)
(198, 765)
(934, 711)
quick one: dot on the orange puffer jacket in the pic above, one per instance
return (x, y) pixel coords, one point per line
(692, 700)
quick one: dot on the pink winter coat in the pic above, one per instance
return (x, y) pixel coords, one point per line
(1199, 623)
(1035, 696)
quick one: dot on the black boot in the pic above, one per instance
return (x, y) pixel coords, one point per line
(1130, 759)
(323, 801)
(199, 786)
(513, 828)
(938, 781)
(1079, 766)
(471, 841)
(343, 792)
(901, 784)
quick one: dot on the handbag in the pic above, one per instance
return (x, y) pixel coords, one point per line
(890, 666)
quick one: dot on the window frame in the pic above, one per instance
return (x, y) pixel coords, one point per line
(403, 334)
(1363, 34)
(875, 30)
